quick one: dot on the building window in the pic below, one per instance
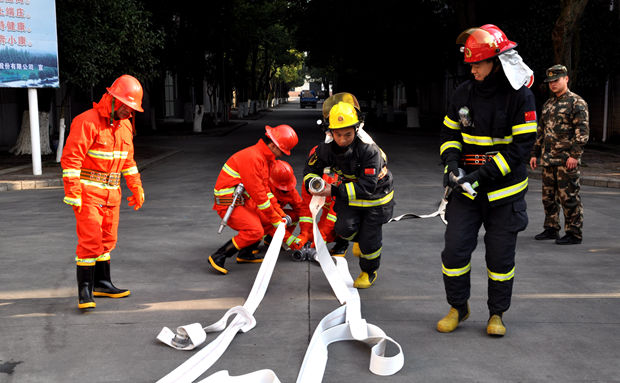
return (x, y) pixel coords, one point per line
(170, 94)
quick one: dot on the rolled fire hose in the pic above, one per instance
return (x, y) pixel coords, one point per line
(344, 323)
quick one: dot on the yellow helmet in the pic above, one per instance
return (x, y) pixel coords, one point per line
(343, 115)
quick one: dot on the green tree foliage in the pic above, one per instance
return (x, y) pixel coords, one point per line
(244, 45)
(98, 40)
(369, 45)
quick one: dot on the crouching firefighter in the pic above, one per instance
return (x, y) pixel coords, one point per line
(364, 200)
(488, 131)
(98, 151)
(287, 200)
(250, 167)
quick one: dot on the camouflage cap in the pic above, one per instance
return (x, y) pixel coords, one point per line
(555, 72)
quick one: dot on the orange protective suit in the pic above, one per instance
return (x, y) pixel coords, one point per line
(328, 216)
(326, 222)
(293, 200)
(249, 166)
(94, 157)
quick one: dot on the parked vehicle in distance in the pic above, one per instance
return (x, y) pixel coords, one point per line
(307, 98)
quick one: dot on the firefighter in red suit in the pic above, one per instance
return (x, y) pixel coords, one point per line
(98, 151)
(282, 182)
(250, 167)
(326, 222)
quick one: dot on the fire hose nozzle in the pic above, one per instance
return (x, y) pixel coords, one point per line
(316, 184)
(306, 253)
(466, 186)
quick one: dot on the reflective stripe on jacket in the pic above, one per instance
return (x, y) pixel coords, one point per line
(497, 120)
(95, 145)
(250, 166)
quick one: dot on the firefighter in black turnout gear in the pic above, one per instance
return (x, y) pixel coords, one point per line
(365, 196)
(488, 131)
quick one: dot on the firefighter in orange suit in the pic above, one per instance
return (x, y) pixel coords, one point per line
(282, 183)
(250, 167)
(326, 222)
(98, 151)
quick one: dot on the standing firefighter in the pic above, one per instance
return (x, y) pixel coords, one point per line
(364, 198)
(488, 131)
(250, 167)
(98, 151)
(562, 134)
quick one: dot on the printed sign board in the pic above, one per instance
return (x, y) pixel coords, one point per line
(28, 44)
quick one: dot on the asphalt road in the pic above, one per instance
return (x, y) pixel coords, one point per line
(563, 326)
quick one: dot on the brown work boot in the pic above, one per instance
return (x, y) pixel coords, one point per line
(451, 321)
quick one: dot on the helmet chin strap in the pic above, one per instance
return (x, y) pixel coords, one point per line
(112, 114)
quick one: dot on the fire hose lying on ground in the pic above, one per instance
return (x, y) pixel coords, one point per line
(344, 323)
(441, 210)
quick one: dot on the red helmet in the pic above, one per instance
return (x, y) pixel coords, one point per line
(483, 43)
(282, 177)
(127, 89)
(283, 136)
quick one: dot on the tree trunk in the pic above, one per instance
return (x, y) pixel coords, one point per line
(564, 31)
(23, 145)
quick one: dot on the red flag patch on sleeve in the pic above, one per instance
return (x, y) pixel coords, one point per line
(370, 171)
(530, 116)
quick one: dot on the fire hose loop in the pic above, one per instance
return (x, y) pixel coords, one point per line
(344, 323)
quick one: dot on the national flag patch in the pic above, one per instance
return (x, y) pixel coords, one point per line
(370, 171)
(530, 116)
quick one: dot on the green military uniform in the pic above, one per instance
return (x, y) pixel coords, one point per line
(563, 131)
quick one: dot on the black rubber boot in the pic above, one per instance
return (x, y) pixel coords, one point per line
(547, 234)
(219, 257)
(249, 254)
(103, 282)
(340, 247)
(85, 278)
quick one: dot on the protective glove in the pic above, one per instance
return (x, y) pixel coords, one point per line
(74, 202)
(469, 182)
(299, 242)
(451, 167)
(137, 199)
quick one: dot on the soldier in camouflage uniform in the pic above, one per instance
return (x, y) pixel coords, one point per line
(562, 133)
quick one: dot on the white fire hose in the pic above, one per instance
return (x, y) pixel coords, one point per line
(344, 323)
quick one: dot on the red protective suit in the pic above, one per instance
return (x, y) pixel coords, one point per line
(293, 200)
(328, 216)
(94, 157)
(249, 166)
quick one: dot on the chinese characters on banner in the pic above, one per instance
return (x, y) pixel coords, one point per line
(28, 44)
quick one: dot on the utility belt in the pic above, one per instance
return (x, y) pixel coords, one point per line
(477, 159)
(227, 201)
(112, 179)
